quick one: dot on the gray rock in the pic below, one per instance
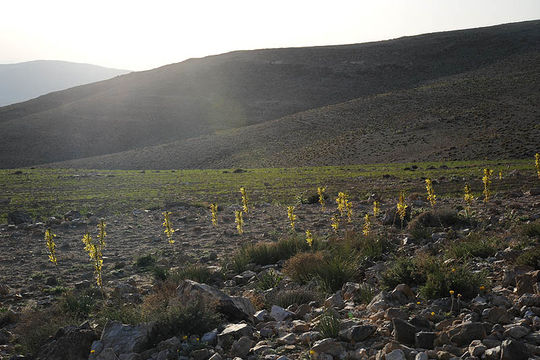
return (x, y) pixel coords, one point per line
(357, 333)
(465, 333)
(261, 315)
(132, 356)
(125, 339)
(279, 314)
(514, 350)
(529, 300)
(328, 346)
(397, 354)
(425, 339)
(497, 315)
(241, 347)
(234, 308)
(310, 337)
(476, 348)
(404, 332)
(287, 339)
(299, 326)
(210, 337)
(335, 301)
(69, 343)
(493, 353)
(107, 354)
(516, 332)
(216, 356)
(200, 354)
(18, 217)
(233, 332)
(421, 356)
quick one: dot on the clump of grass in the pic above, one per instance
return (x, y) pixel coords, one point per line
(434, 278)
(285, 298)
(531, 230)
(328, 325)
(145, 262)
(472, 246)
(268, 279)
(329, 270)
(269, 253)
(195, 272)
(530, 257)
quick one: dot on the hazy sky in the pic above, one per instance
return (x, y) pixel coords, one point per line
(139, 35)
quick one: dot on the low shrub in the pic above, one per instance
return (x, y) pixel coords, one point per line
(268, 279)
(285, 298)
(195, 272)
(472, 246)
(328, 325)
(531, 230)
(530, 257)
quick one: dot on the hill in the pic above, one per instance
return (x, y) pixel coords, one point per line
(490, 113)
(274, 106)
(24, 81)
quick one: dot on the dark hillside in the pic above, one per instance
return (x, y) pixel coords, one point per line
(200, 97)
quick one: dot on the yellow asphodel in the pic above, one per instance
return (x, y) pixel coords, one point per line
(244, 200)
(537, 164)
(348, 206)
(49, 238)
(214, 210)
(402, 206)
(309, 238)
(335, 223)
(168, 227)
(367, 225)
(376, 208)
(486, 179)
(291, 215)
(468, 197)
(341, 202)
(431, 194)
(320, 192)
(239, 220)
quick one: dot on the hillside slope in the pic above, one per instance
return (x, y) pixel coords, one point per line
(202, 97)
(490, 113)
(27, 80)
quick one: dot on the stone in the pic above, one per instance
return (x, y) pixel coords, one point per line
(241, 347)
(397, 354)
(525, 283)
(107, 354)
(335, 301)
(288, 339)
(303, 310)
(529, 300)
(357, 333)
(200, 354)
(497, 315)
(261, 315)
(404, 332)
(493, 353)
(476, 348)
(233, 307)
(210, 337)
(69, 343)
(421, 356)
(260, 348)
(514, 350)
(516, 332)
(279, 314)
(18, 217)
(245, 277)
(465, 333)
(393, 313)
(328, 346)
(233, 332)
(310, 337)
(425, 339)
(132, 356)
(216, 356)
(124, 339)
(444, 355)
(299, 326)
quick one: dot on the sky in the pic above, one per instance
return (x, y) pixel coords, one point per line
(140, 35)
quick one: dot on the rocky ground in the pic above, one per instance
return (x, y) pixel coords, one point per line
(502, 320)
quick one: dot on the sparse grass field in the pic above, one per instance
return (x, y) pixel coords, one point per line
(52, 192)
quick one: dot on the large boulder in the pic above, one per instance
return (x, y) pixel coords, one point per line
(69, 343)
(124, 339)
(235, 308)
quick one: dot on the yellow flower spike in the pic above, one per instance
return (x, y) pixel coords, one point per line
(482, 288)
(320, 192)
(376, 208)
(309, 238)
(348, 206)
(239, 220)
(214, 210)
(537, 164)
(168, 227)
(432, 313)
(245, 207)
(500, 175)
(486, 179)
(418, 303)
(335, 223)
(430, 193)
(402, 207)
(341, 202)
(453, 270)
(452, 292)
(291, 216)
(95, 251)
(367, 225)
(468, 197)
(51, 246)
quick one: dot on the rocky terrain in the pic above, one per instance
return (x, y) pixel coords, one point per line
(213, 294)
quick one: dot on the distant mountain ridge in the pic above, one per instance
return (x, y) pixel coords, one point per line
(280, 107)
(27, 80)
